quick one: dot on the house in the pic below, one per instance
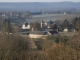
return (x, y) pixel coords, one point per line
(37, 34)
(64, 12)
(52, 32)
(66, 30)
(26, 26)
(46, 24)
(46, 30)
(69, 30)
(41, 34)
(73, 30)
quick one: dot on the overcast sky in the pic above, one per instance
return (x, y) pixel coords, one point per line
(38, 0)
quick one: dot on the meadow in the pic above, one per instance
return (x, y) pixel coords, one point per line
(53, 17)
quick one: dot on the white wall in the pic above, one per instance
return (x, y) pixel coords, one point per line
(36, 36)
(25, 27)
(65, 30)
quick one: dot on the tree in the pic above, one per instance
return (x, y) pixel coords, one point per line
(6, 26)
(65, 24)
(76, 23)
(35, 25)
(54, 27)
(14, 49)
(60, 52)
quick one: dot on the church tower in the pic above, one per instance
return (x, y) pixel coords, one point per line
(42, 25)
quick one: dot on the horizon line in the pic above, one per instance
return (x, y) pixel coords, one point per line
(35, 1)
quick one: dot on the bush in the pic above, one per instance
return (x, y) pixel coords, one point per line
(13, 49)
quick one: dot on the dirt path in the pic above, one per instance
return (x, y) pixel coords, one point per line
(33, 45)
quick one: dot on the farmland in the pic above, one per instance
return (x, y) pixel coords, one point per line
(53, 17)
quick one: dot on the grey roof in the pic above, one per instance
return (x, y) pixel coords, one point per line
(43, 32)
(38, 32)
(53, 32)
(48, 29)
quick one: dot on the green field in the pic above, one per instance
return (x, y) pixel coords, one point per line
(53, 17)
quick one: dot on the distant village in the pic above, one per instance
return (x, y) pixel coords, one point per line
(46, 29)
(38, 29)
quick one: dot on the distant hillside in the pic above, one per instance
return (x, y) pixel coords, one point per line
(37, 6)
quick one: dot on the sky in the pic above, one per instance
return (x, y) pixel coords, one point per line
(38, 0)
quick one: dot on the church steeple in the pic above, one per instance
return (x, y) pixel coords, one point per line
(42, 25)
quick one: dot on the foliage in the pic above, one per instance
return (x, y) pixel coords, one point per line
(76, 23)
(61, 52)
(54, 27)
(51, 48)
(35, 25)
(65, 23)
(56, 48)
(13, 49)
(6, 26)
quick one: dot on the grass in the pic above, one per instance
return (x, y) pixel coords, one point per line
(53, 17)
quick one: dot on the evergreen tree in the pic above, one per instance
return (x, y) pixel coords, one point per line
(76, 23)
(54, 27)
(65, 24)
(35, 25)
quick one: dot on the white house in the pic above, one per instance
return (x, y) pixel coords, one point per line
(37, 34)
(41, 34)
(3, 15)
(64, 12)
(26, 26)
(66, 30)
